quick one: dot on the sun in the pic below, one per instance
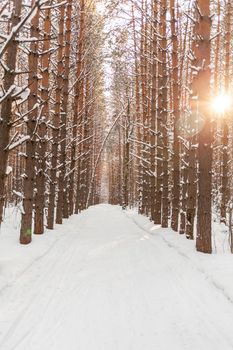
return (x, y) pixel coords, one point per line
(221, 103)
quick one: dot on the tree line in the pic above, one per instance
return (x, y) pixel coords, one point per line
(51, 111)
(129, 100)
(172, 153)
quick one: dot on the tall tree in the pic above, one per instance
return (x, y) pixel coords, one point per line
(41, 145)
(56, 121)
(201, 87)
(175, 95)
(164, 113)
(225, 137)
(29, 178)
(10, 47)
(62, 204)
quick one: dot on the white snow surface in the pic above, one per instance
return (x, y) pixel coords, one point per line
(110, 280)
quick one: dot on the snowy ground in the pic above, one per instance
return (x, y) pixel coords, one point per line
(109, 280)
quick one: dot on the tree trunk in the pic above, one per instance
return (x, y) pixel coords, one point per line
(42, 129)
(56, 122)
(6, 104)
(77, 115)
(176, 116)
(153, 109)
(225, 157)
(202, 88)
(164, 114)
(62, 203)
(29, 179)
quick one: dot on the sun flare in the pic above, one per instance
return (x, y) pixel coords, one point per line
(222, 103)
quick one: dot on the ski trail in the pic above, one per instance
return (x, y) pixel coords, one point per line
(105, 285)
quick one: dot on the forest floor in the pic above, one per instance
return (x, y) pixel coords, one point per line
(110, 280)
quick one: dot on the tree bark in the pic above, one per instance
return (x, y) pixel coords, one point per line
(176, 116)
(42, 129)
(6, 106)
(29, 179)
(62, 202)
(202, 86)
(56, 123)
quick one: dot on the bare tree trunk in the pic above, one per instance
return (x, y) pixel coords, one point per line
(137, 117)
(6, 104)
(225, 157)
(202, 88)
(56, 122)
(126, 159)
(191, 190)
(153, 107)
(159, 123)
(176, 114)
(42, 129)
(143, 71)
(164, 114)
(29, 179)
(78, 87)
(62, 204)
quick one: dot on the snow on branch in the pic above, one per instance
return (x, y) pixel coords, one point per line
(18, 194)
(18, 143)
(16, 29)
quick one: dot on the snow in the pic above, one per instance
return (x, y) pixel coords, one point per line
(109, 279)
(18, 142)
(6, 14)
(9, 170)
(22, 94)
(217, 268)
(16, 28)
(3, 96)
(18, 194)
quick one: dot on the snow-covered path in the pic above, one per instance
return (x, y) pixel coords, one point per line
(107, 285)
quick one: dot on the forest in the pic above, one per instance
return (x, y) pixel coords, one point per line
(136, 109)
(114, 110)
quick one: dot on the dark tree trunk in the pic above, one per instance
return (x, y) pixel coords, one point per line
(6, 104)
(56, 123)
(42, 130)
(62, 202)
(29, 179)
(202, 86)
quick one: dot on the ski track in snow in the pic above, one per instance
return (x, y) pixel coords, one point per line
(107, 285)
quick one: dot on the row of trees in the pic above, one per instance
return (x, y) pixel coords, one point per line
(157, 131)
(52, 109)
(171, 155)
